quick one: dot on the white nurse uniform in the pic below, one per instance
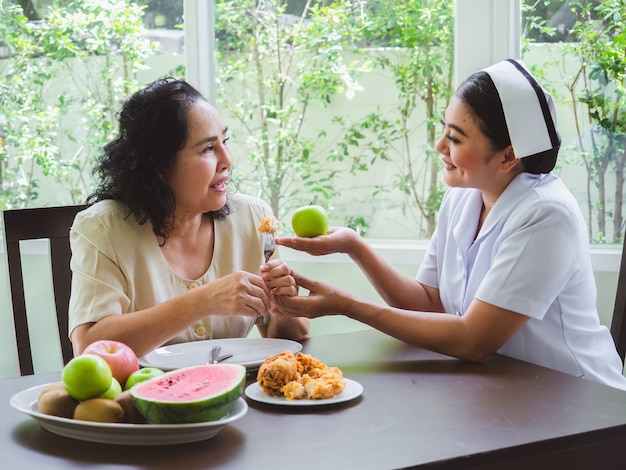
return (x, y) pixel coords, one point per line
(531, 256)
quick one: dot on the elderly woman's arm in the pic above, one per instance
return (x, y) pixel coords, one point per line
(239, 293)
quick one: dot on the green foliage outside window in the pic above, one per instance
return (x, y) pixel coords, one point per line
(595, 92)
(421, 63)
(84, 54)
(64, 76)
(274, 67)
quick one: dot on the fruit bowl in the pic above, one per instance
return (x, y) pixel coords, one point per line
(122, 433)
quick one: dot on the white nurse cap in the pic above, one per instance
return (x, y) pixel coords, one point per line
(528, 109)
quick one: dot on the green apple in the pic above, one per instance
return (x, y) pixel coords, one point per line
(140, 375)
(310, 221)
(86, 376)
(114, 390)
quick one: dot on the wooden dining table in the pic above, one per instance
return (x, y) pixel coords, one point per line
(418, 409)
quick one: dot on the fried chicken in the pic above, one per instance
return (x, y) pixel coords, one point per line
(300, 376)
(268, 224)
(277, 371)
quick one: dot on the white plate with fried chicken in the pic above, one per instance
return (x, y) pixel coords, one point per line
(301, 380)
(351, 391)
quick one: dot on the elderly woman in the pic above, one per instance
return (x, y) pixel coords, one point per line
(508, 267)
(165, 253)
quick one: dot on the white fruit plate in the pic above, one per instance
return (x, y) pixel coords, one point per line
(124, 434)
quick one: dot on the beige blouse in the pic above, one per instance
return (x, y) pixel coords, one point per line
(117, 265)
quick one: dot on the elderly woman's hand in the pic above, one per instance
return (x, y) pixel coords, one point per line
(238, 293)
(281, 283)
(278, 278)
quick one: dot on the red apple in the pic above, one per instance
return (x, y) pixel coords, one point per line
(121, 358)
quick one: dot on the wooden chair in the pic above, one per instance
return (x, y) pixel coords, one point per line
(618, 323)
(52, 223)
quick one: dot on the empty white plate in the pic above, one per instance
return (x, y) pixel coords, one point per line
(249, 352)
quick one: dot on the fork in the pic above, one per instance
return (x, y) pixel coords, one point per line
(215, 351)
(269, 246)
(215, 355)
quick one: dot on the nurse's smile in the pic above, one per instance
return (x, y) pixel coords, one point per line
(448, 166)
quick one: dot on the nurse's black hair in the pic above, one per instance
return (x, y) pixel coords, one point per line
(153, 127)
(480, 94)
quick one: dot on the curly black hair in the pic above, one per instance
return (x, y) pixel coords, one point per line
(153, 127)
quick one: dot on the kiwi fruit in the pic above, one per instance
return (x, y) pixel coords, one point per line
(131, 413)
(56, 401)
(101, 410)
(52, 386)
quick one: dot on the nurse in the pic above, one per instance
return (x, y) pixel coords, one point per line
(508, 268)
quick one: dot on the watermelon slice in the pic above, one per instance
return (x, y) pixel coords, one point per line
(191, 394)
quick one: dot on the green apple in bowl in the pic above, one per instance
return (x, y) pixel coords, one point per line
(310, 221)
(114, 390)
(145, 373)
(86, 376)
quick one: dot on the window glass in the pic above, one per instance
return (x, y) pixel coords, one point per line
(577, 47)
(66, 66)
(548, 21)
(338, 106)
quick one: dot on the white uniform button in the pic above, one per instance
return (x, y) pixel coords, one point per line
(192, 285)
(200, 330)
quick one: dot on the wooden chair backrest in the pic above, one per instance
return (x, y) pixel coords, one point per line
(53, 224)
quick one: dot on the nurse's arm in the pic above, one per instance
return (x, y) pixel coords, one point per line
(472, 337)
(396, 289)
